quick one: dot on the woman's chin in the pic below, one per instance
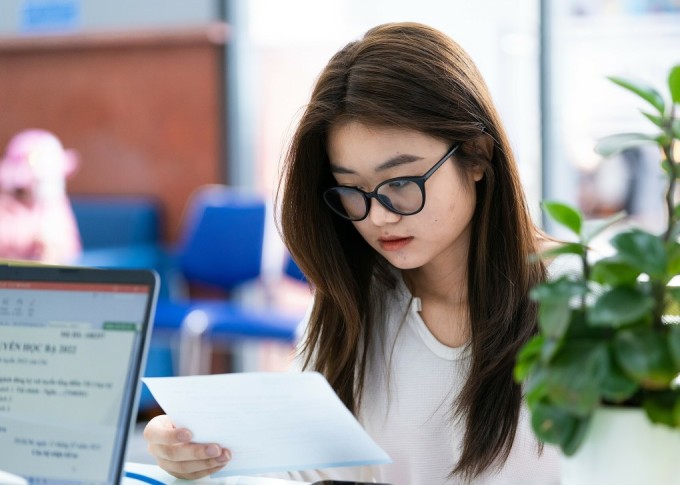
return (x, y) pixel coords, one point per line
(402, 261)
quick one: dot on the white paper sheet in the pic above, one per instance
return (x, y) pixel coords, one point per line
(270, 421)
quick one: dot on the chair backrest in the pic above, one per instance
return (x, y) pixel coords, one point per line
(222, 237)
(116, 221)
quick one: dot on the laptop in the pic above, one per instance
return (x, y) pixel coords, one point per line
(73, 344)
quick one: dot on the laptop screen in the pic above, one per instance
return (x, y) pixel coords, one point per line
(72, 344)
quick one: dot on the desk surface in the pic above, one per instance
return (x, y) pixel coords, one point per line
(151, 474)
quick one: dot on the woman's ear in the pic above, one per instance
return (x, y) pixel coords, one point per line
(482, 146)
(477, 173)
(480, 149)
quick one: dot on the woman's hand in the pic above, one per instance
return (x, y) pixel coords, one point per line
(177, 455)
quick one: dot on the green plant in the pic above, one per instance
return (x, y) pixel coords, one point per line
(607, 336)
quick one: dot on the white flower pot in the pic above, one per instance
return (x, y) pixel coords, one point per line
(623, 447)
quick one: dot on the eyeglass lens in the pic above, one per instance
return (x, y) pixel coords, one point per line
(401, 196)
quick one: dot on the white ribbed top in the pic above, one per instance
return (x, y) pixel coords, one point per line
(412, 381)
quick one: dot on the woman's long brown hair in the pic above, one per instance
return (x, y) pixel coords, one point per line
(414, 77)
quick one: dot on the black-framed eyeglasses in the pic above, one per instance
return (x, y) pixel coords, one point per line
(402, 195)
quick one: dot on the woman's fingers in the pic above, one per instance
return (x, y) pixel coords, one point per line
(175, 453)
(189, 452)
(160, 430)
(193, 468)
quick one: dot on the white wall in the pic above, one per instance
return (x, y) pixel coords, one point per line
(290, 42)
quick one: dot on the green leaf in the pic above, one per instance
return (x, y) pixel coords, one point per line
(553, 317)
(579, 329)
(550, 348)
(620, 306)
(611, 271)
(674, 83)
(574, 376)
(673, 253)
(646, 92)
(552, 424)
(527, 357)
(663, 139)
(591, 232)
(566, 248)
(676, 413)
(659, 407)
(565, 215)
(658, 414)
(674, 345)
(535, 390)
(666, 166)
(644, 356)
(616, 386)
(675, 230)
(613, 144)
(559, 289)
(554, 311)
(572, 444)
(642, 250)
(657, 120)
(674, 292)
(675, 127)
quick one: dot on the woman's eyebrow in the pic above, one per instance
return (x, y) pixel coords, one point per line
(396, 161)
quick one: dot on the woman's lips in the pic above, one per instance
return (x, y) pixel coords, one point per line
(394, 244)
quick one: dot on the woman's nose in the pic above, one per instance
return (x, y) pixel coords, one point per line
(381, 215)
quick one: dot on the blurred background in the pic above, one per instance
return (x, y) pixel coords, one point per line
(180, 110)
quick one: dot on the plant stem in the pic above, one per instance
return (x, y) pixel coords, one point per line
(658, 287)
(586, 276)
(672, 169)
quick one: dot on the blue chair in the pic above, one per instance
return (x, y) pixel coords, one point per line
(121, 231)
(221, 249)
(222, 239)
(116, 221)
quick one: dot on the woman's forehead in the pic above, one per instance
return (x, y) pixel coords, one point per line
(354, 143)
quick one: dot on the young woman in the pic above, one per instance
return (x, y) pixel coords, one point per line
(402, 205)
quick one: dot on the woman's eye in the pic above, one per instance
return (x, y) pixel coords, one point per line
(398, 184)
(348, 185)
(357, 187)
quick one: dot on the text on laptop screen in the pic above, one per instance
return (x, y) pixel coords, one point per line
(65, 372)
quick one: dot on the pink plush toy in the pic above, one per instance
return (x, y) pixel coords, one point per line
(36, 220)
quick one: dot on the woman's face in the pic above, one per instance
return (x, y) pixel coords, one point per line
(363, 156)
